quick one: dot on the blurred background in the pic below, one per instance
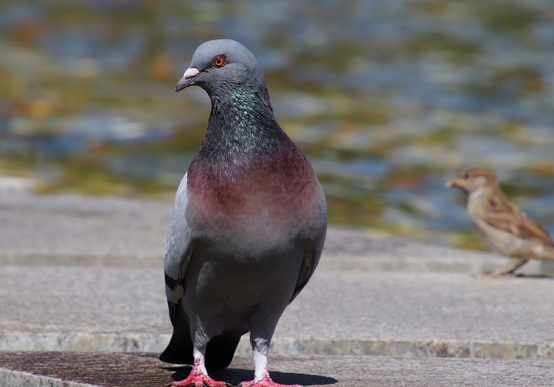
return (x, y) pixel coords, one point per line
(388, 99)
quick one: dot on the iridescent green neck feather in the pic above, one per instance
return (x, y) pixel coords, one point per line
(241, 127)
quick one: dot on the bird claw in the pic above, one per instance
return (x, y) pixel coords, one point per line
(266, 382)
(198, 380)
(494, 275)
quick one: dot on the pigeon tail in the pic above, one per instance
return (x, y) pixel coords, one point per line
(219, 351)
(179, 349)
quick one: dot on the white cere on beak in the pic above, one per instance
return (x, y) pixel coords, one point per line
(191, 73)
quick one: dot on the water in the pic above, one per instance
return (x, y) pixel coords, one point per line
(388, 99)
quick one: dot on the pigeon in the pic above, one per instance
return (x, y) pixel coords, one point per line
(500, 223)
(248, 226)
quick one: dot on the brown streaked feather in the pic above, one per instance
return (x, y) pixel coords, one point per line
(499, 212)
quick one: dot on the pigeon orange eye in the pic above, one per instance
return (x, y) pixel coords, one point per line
(219, 61)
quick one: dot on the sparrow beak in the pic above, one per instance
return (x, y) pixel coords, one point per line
(188, 79)
(454, 183)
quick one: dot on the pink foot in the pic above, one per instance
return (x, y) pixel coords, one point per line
(198, 379)
(266, 382)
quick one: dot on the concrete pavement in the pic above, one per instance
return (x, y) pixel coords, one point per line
(110, 231)
(338, 313)
(144, 370)
(85, 275)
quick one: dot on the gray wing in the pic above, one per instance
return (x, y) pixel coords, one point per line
(220, 349)
(177, 255)
(313, 252)
(178, 249)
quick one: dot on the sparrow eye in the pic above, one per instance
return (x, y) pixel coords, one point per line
(219, 61)
(466, 175)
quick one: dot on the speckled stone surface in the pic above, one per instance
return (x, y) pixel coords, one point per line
(339, 313)
(144, 370)
(85, 274)
(121, 232)
(95, 231)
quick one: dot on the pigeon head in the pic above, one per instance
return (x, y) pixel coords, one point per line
(472, 179)
(222, 66)
(241, 123)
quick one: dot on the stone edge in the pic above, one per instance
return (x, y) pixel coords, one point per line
(135, 343)
(330, 262)
(10, 378)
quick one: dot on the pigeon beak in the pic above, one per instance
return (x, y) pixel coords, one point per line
(454, 183)
(188, 79)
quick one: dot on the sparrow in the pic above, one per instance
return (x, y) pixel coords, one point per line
(248, 226)
(500, 223)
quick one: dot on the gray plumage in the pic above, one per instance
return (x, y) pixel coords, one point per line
(249, 220)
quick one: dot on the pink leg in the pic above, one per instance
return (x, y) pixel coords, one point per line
(198, 378)
(260, 348)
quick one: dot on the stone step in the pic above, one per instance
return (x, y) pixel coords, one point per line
(144, 370)
(121, 232)
(85, 274)
(339, 313)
